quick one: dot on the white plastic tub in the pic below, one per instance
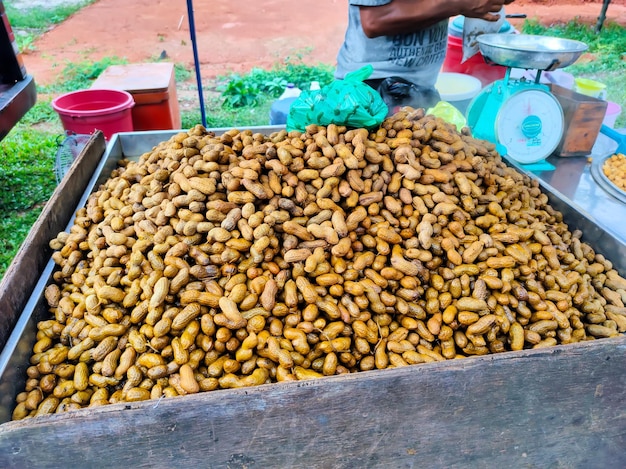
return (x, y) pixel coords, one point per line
(458, 89)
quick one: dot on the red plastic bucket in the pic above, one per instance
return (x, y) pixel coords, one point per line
(85, 111)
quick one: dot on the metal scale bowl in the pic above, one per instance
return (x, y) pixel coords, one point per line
(522, 115)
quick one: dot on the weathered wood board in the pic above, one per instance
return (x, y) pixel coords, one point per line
(583, 118)
(20, 278)
(559, 407)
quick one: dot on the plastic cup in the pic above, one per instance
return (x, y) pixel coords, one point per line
(590, 87)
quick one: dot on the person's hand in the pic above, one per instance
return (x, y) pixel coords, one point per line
(410, 16)
(483, 9)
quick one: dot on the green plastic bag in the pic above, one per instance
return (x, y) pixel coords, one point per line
(448, 113)
(348, 102)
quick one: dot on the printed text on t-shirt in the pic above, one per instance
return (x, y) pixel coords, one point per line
(421, 48)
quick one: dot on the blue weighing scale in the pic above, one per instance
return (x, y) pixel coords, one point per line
(522, 116)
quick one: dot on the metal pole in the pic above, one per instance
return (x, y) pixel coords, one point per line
(602, 17)
(192, 31)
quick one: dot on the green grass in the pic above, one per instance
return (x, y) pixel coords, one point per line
(32, 22)
(253, 88)
(13, 231)
(181, 73)
(245, 100)
(219, 116)
(27, 178)
(78, 76)
(27, 169)
(41, 18)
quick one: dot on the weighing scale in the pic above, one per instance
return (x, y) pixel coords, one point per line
(521, 115)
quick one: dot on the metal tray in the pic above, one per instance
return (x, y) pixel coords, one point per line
(604, 182)
(15, 355)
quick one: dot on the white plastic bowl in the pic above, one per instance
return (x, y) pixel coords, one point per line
(458, 89)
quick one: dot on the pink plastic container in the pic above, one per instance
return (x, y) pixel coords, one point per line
(613, 110)
(85, 111)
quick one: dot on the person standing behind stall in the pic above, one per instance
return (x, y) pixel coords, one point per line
(404, 38)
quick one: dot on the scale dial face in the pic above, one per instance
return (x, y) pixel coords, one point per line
(530, 125)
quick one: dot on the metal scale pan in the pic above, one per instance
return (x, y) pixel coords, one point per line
(522, 116)
(530, 51)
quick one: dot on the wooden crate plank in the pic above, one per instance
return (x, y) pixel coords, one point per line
(559, 407)
(583, 118)
(23, 273)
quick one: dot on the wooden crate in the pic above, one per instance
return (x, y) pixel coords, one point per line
(558, 407)
(583, 119)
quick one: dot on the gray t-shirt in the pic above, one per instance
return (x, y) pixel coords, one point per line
(416, 57)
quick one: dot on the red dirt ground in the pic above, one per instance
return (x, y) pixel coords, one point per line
(234, 35)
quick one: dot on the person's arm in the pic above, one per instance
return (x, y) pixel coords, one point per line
(408, 16)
